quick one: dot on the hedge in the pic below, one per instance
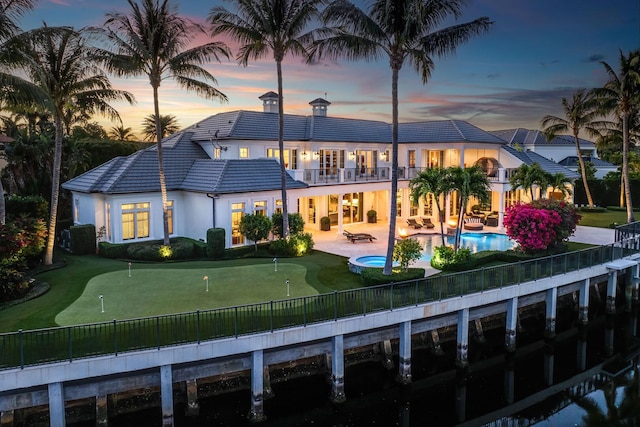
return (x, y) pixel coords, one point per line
(373, 276)
(215, 243)
(83, 239)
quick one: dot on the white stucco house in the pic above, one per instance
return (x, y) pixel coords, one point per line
(226, 166)
(561, 149)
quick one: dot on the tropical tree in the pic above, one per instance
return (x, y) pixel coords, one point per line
(121, 133)
(153, 40)
(560, 182)
(528, 177)
(580, 114)
(401, 30)
(263, 26)
(57, 63)
(620, 96)
(467, 183)
(10, 12)
(168, 126)
(430, 181)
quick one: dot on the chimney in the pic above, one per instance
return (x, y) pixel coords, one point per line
(269, 102)
(319, 107)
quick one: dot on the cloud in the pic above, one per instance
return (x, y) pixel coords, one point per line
(596, 57)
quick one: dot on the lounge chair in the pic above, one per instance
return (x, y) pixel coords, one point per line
(354, 237)
(473, 223)
(492, 221)
(413, 223)
(426, 223)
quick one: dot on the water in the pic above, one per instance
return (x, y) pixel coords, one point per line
(476, 242)
(492, 387)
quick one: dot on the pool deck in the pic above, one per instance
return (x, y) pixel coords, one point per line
(334, 242)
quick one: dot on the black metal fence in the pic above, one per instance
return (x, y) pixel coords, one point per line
(33, 347)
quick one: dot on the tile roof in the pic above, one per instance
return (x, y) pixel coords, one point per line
(536, 137)
(187, 167)
(572, 161)
(530, 157)
(256, 125)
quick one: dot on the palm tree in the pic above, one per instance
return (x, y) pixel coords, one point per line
(263, 26)
(527, 177)
(559, 181)
(580, 115)
(620, 96)
(430, 181)
(121, 133)
(57, 63)
(168, 126)
(10, 12)
(153, 40)
(467, 183)
(401, 30)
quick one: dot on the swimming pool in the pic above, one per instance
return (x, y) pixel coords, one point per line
(476, 242)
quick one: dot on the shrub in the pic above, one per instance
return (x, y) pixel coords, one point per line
(255, 228)
(407, 251)
(31, 206)
(297, 245)
(568, 214)
(445, 258)
(595, 209)
(296, 224)
(83, 239)
(215, 243)
(112, 250)
(374, 277)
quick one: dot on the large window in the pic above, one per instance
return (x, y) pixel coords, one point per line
(399, 203)
(260, 208)
(170, 215)
(237, 212)
(135, 220)
(290, 157)
(427, 208)
(412, 158)
(330, 162)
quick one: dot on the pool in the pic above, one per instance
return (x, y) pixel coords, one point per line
(476, 242)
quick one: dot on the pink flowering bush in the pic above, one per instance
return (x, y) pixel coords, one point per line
(535, 229)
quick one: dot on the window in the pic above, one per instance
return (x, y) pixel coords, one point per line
(436, 159)
(107, 209)
(412, 158)
(170, 215)
(217, 153)
(135, 220)
(76, 210)
(260, 208)
(244, 152)
(279, 206)
(399, 203)
(237, 212)
(290, 157)
(427, 209)
(413, 208)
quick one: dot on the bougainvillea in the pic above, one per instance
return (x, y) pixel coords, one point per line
(567, 212)
(535, 229)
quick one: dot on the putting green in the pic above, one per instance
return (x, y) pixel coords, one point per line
(154, 292)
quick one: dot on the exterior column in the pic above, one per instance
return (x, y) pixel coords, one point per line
(462, 158)
(463, 338)
(193, 408)
(404, 369)
(551, 303)
(340, 218)
(166, 394)
(56, 405)
(6, 418)
(337, 369)
(256, 413)
(102, 411)
(612, 283)
(583, 303)
(501, 210)
(512, 325)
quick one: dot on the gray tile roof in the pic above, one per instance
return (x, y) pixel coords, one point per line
(236, 176)
(530, 157)
(256, 125)
(187, 167)
(572, 161)
(536, 137)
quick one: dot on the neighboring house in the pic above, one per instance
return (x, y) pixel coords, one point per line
(561, 149)
(226, 166)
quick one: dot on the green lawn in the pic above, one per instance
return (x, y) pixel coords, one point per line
(322, 273)
(603, 219)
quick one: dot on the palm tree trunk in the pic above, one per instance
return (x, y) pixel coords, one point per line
(3, 206)
(393, 211)
(55, 191)
(625, 166)
(440, 213)
(283, 170)
(583, 171)
(163, 182)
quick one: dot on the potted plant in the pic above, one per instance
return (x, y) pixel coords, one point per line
(372, 216)
(325, 223)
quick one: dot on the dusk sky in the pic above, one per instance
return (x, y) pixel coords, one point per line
(537, 52)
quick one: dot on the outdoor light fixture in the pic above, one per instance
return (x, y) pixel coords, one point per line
(352, 155)
(304, 155)
(384, 156)
(316, 155)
